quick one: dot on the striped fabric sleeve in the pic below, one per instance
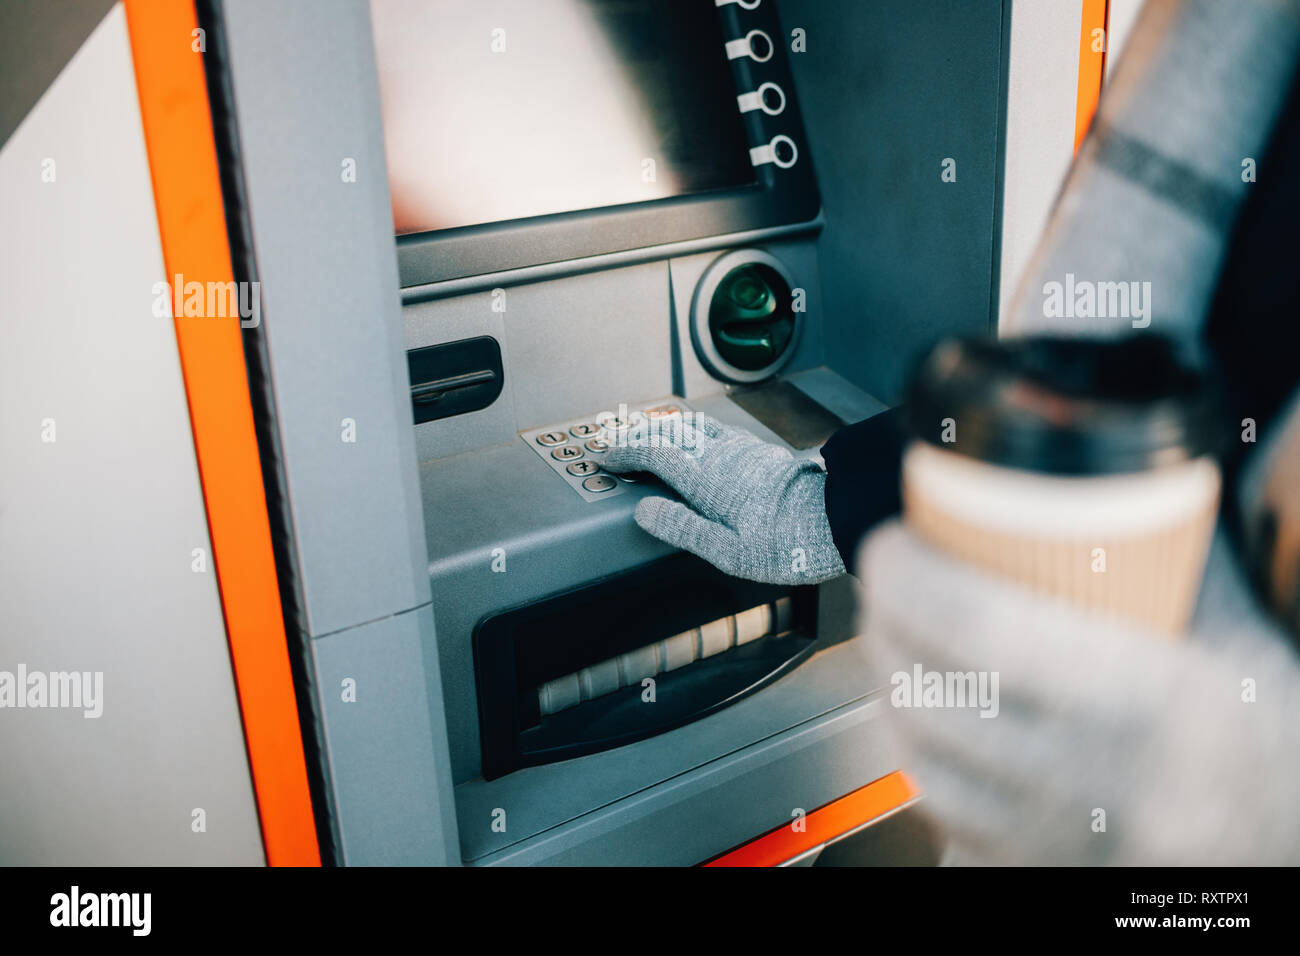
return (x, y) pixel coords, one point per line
(1150, 202)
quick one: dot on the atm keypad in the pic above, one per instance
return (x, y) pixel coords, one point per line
(566, 446)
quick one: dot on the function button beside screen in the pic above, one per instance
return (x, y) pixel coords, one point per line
(756, 45)
(772, 97)
(584, 431)
(784, 152)
(583, 468)
(552, 438)
(598, 483)
(597, 445)
(566, 453)
(769, 97)
(780, 151)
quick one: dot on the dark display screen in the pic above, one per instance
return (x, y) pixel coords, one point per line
(504, 109)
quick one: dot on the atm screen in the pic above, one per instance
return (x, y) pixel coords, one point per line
(504, 109)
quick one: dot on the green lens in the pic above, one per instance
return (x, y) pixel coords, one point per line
(748, 292)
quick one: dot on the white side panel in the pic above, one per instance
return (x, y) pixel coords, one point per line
(98, 526)
(1121, 16)
(1042, 86)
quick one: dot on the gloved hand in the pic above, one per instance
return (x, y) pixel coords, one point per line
(1105, 744)
(754, 511)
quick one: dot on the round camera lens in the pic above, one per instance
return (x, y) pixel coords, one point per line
(784, 152)
(759, 47)
(772, 99)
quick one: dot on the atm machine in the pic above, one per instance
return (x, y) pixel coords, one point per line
(560, 216)
(486, 236)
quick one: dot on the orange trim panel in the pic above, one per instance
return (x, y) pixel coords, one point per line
(1092, 65)
(826, 823)
(191, 222)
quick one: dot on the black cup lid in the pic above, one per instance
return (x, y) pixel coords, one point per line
(1069, 406)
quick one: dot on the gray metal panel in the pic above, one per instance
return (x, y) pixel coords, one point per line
(585, 343)
(888, 91)
(569, 346)
(801, 258)
(507, 498)
(690, 374)
(724, 803)
(306, 100)
(549, 539)
(558, 270)
(387, 768)
(541, 798)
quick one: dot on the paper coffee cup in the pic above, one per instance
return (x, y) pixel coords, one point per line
(1058, 474)
(1132, 545)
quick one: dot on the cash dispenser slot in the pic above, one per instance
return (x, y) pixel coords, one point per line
(628, 657)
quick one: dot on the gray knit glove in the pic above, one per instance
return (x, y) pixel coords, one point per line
(755, 511)
(1100, 743)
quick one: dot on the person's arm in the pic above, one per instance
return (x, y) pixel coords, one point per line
(1153, 195)
(1086, 740)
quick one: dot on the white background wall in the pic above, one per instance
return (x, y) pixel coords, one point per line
(97, 528)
